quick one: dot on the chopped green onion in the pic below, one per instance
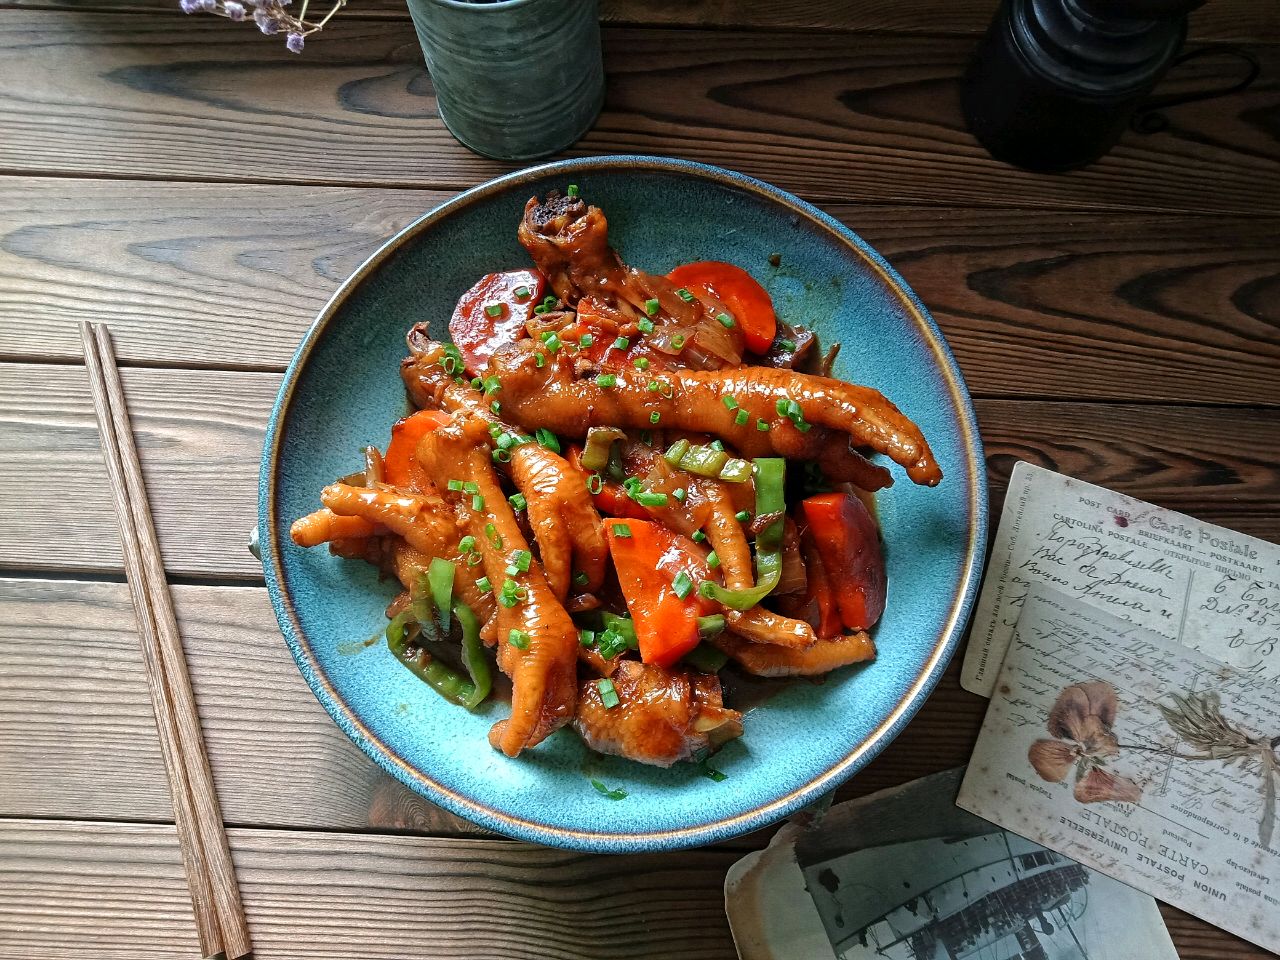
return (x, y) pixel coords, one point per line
(651, 307)
(586, 637)
(678, 341)
(713, 559)
(553, 342)
(522, 293)
(717, 445)
(711, 773)
(586, 340)
(491, 532)
(608, 694)
(742, 516)
(679, 493)
(517, 501)
(495, 429)
(698, 536)
(611, 643)
(492, 384)
(632, 485)
(484, 585)
(682, 585)
(507, 441)
(547, 439)
(455, 486)
(652, 386)
(622, 343)
(496, 407)
(493, 309)
(675, 452)
(595, 484)
(615, 794)
(621, 530)
(704, 460)
(642, 363)
(477, 383)
(550, 300)
(501, 455)
(762, 426)
(741, 417)
(471, 487)
(474, 559)
(477, 502)
(540, 308)
(787, 345)
(539, 359)
(521, 560)
(725, 319)
(647, 499)
(518, 639)
(729, 402)
(803, 426)
(580, 579)
(644, 324)
(606, 380)
(685, 295)
(440, 580)
(655, 417)
(466, 544)
(624, 627)
(783, 407)
(573, 190)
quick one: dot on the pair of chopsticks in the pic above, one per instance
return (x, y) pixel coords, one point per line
(215, 897)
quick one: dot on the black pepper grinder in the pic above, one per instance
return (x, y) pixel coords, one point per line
(1054, 83)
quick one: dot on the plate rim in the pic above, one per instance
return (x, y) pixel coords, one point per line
(760, 814)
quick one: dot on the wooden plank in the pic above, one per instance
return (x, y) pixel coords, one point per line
(191, 99)
(1094, 306)
(72, 890)
(77, 738)
(84, 890)
(200, 435)
(1240, 20)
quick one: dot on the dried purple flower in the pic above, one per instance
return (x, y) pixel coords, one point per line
(190, 6)
(265, 21)
(234, 10)
(207, 6)
(295, 42)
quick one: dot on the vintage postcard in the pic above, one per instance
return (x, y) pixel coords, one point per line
(1200, 586)
(1146, 761)
(906, 875)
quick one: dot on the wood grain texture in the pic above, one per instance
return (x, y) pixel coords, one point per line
(77, 738)
(108, 891)
(200, 436)
(1248, 20)
(1092, 306)
(191, 99)
(72, 890)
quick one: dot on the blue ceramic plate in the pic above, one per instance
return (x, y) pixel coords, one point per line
(343, 391)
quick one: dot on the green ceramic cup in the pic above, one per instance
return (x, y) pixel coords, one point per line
(514, 79)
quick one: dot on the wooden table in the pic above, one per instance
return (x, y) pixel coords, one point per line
(203, 192)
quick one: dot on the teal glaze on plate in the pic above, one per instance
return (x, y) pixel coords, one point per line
(343, 391)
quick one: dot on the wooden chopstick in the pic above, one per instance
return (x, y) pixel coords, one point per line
(215, 896)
